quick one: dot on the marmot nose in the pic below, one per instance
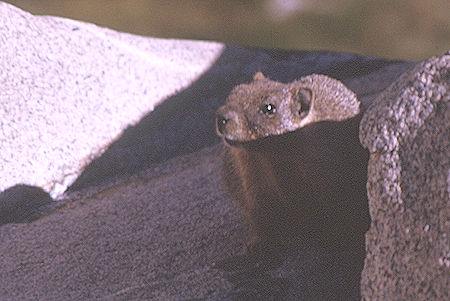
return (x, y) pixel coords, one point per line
(224, 119)
(227, 120)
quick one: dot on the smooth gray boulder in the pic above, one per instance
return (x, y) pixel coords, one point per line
(407, 131)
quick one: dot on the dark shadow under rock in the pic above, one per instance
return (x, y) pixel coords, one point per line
(304, 273)
(22, 203)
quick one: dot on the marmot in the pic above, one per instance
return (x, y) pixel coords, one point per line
(293, 161)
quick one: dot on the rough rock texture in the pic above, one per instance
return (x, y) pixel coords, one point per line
(68, 89)
(71, 91)
(161, 235)
(407, 131)
(152, 238)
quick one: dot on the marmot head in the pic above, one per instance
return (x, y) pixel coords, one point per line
(265, 108)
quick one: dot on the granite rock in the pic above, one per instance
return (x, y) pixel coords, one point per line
(68, 89)
(80, 104)
(126, 123)
(407, 131)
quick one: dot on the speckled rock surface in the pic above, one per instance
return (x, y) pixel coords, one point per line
(75, 97)
(68, 89)
(407, 131)
(161, 235)
(130, 120)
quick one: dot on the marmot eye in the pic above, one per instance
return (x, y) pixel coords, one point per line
(268, 109)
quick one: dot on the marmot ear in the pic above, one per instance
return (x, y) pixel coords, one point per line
(301, 100)
(258, 76)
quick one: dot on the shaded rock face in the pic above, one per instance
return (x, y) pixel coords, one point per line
(407, 131)
(22, 203)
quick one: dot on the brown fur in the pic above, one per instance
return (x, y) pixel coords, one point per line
(298, 171)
